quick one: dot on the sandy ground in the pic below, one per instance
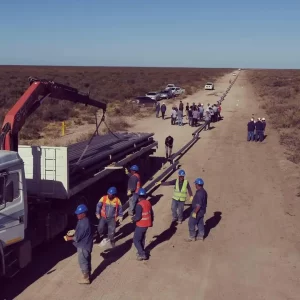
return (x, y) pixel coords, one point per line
(252, 224)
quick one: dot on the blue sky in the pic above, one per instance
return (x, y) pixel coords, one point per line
(190, 33)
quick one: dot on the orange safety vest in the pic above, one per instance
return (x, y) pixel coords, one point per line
(138, 185)
(146, 220)
(103, 210)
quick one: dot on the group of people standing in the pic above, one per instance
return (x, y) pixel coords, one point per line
(196, 113)
(256, 129)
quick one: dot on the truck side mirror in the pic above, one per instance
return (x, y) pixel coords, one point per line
(9, 192)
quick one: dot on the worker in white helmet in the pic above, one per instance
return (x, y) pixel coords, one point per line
(258, 130)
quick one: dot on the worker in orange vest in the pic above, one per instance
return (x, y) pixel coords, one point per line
(134, 184)
(108, 211)
(144, 219)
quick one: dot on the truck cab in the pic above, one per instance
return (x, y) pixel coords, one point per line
(13, 202)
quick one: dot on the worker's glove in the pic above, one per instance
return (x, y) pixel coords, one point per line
(191, 198)
(71, 232)
(194, 215)
(65, 238)
(132, 219)
(129, 193)
(120, 219)
(157, 183)
(98, 216)
(126, 171)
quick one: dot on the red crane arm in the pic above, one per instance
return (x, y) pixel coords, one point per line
(31, 100)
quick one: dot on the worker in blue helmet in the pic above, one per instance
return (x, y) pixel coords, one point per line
(109, 211)
(83, 241)
(144, 219)
(196, 220)
(181, 189)
(134, 184)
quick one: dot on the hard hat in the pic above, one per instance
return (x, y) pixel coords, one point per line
(81, 209)
(134, 168)
(263, 119)
(199, 181)
(181, 173)
(112, 190)
(142, 192)
(258, 119)
(252, 119)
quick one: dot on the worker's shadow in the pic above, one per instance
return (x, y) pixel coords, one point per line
(163, 237)
(212, 222)
(111, 256)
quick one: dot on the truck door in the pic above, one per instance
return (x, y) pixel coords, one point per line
(12, 209)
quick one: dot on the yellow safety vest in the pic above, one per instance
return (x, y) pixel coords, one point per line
(180, 195)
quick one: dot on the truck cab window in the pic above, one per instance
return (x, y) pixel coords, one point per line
(12, 187)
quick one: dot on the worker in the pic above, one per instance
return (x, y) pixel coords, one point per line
(173, 116)
(83, 241)
(207, 119)
(180, 117)
(109, 211)
(181, 188)
(251, 129)
(190, 114)
(201, 111)
(187, 107)
(181, 106)
(215, 109)
(195, 117)
(163, 109)
(169, 146)
(134, 184)
(157, 108)
(259, 130)
(196, 219)
(144, 219)
(263, 120)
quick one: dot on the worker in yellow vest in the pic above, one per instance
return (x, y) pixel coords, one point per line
(181, 189)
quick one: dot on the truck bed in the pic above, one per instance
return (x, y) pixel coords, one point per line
(61, 172)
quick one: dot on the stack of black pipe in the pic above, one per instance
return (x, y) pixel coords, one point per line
(101, 152)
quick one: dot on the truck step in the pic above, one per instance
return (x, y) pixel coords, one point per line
(11, 264)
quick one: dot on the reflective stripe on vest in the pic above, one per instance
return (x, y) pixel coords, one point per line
(180, 195)
(138, 184)
(103, 209)
(146, 220)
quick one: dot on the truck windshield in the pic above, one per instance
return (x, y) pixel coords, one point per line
(2, 182)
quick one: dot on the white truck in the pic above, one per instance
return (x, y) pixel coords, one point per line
(40, 186)
(209, 86)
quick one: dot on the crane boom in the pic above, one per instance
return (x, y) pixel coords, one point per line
(38, 90)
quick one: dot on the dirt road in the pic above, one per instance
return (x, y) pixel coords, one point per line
(251, 250)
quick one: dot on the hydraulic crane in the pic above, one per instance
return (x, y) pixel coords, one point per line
(38, 91)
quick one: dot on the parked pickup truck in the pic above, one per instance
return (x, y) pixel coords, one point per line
(209, 86)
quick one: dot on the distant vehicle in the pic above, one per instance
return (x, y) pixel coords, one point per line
(144, 101)
(170, 85)
(233, 74)
(178, 91)
(166, 94)
(209, 86)
(153, 95)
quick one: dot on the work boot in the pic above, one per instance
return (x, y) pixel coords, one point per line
(190, 239)
(141, 257)
(85, 279)
(180, 221)
(199, 238)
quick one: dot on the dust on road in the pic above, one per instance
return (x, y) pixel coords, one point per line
(251, 250)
